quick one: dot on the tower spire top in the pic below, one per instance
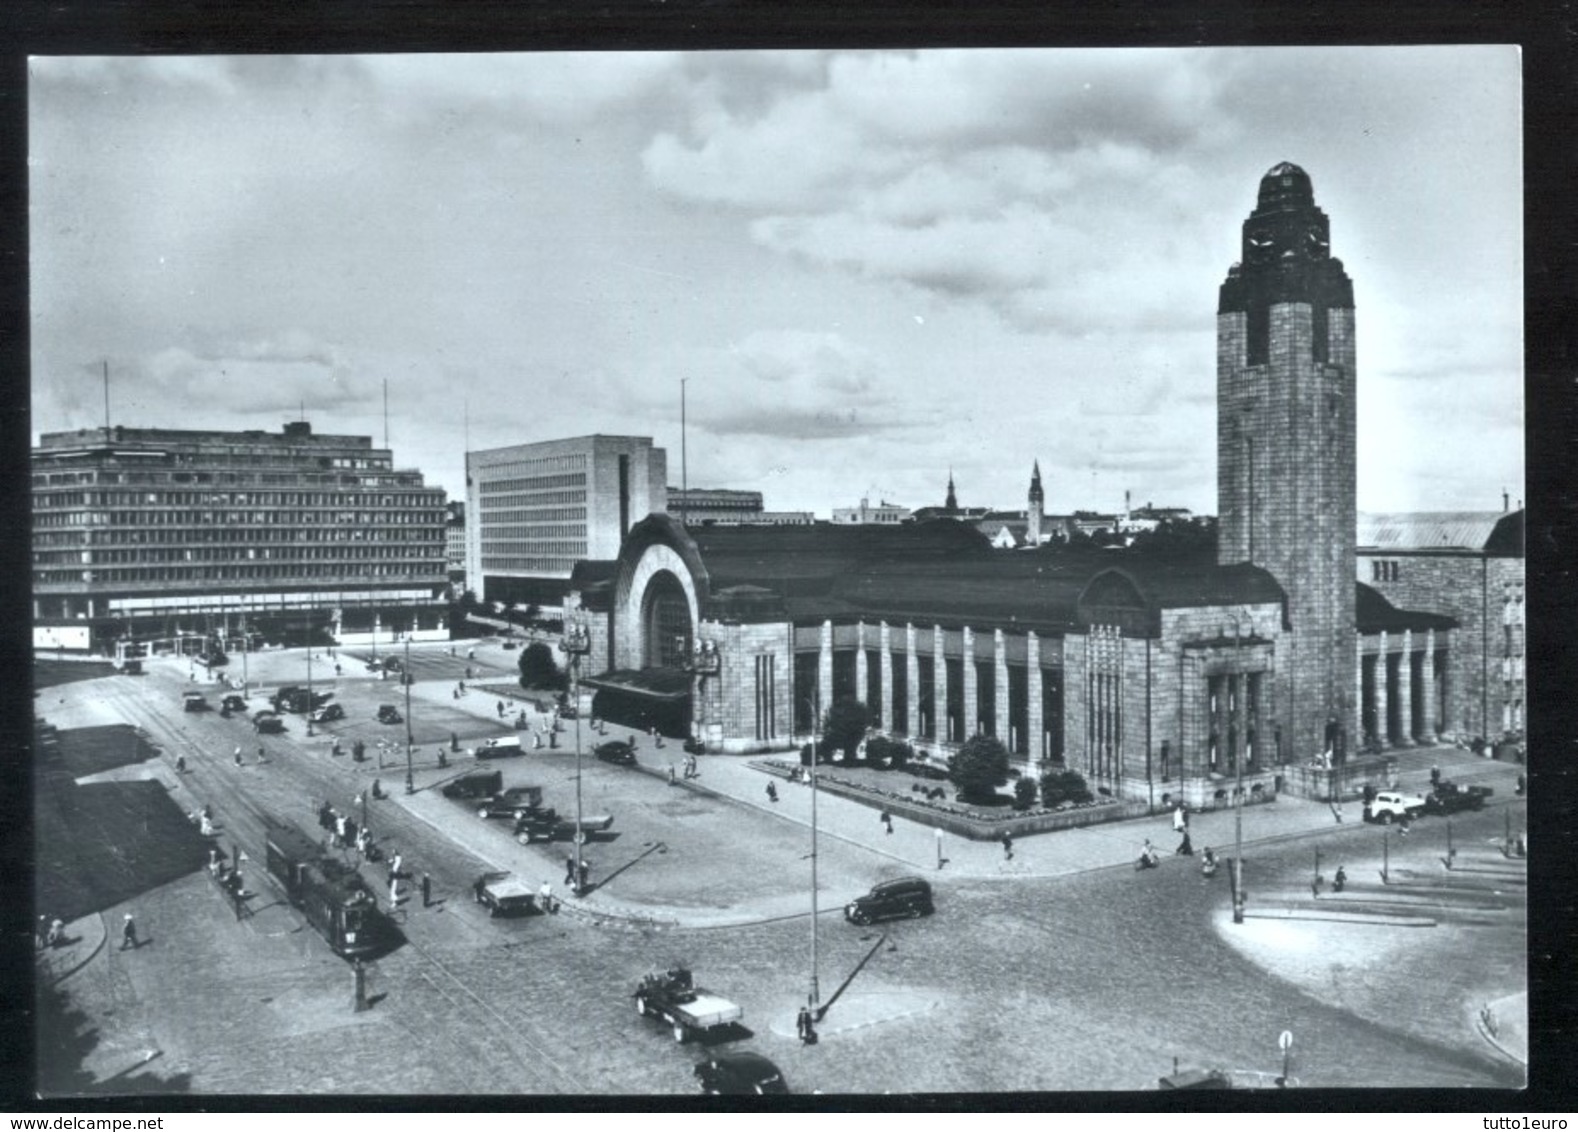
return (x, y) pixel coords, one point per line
(952, 502)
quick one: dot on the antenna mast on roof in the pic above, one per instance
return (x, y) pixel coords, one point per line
(684, 465)
(386, 412)
(106, 399)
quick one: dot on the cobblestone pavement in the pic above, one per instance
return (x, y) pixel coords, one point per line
(1063, 969)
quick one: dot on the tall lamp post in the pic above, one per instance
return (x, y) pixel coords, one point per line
(405, 678)
(1238, 801)
(575, 644)
(246, 647)
(309, 676)
(701, 662)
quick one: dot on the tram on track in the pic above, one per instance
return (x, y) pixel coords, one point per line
(330, 893)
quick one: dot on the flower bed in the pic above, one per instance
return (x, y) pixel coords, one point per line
(877, 789)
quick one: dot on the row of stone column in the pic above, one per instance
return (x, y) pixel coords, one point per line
(1387, 689)
(884, 644)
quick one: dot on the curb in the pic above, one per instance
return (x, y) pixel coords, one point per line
(1483, 1029)
(98, 947)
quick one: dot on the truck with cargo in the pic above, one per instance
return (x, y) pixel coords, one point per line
(674, 997)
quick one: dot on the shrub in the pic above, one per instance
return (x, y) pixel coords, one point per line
(1060, 786)
(845, 725)
(1024, 793)
(979, 767)
(538, 669)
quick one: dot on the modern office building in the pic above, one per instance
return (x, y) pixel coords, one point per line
(455, 540)
(534, 510)
(148, 532)
(714, 505)
(1169, 672)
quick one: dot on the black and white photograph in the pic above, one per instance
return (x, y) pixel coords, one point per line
(952, 571)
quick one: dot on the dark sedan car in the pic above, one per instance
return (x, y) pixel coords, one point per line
(516, 802)
(328, 713)
(388, 713)
(739, 1074)
(233, 703)
(617, 751)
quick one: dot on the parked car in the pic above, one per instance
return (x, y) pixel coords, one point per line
(328, 713)
(475, 784)
(550, 825)
(1390, 805)
(906, 896)
(194, 701)
(1449, 798)
(267, 723)
(739, 1074)
(388, 713)
(233, 702)
(516, 802)
(619, 751)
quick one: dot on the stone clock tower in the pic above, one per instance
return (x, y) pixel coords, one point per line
(1285, 438)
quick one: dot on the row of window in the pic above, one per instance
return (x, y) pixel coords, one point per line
(333, 572)
(541, 466)
(431, 499)
(564, 539)
(530, 565)
(531, 483)
(494, 516)
(233, 554)
(1385, 570)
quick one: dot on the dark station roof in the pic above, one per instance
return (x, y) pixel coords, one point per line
(946, 572)
(1374, 614)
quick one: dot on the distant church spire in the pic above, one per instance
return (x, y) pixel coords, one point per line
(952, 502)
(1037, 506)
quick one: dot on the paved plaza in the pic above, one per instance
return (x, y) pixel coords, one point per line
(712, 872)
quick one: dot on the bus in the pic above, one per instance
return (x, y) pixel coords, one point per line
(129, 656)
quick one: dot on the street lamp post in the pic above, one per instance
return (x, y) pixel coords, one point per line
(816, 990)
(309, 676)
(575, 644)
(1238, 801)
(405, 678)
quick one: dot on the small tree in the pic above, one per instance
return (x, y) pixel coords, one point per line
(1024, 793)
(979, 767)
(1059, 786)
(537, 667)
(845, 725)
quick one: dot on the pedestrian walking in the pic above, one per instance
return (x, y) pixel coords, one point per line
(585, 872)
(1435, 776)
(395, 872)
(1178, 819)
(205, 825)
(887, 821)
(545, 897)
(1336, 809)
(180, 764)
(1185, 849)
(57, 932)
(671, 779)
(394, 888)
(772, 792)
(262, 756)
(569, 870)
(129, 933)
(427, 889)
(501, 709)
(238, 756)
(42, 930)
(1008, 845)
(804, 1026)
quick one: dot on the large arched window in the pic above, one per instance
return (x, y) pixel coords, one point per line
(665, 622)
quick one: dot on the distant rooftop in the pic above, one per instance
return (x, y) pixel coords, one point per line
(1498, 533)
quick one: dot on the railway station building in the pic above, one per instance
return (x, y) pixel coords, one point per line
(1151, 674)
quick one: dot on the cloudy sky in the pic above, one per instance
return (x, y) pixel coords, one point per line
(869, 267)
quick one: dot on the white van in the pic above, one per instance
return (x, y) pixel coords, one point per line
(505, 746)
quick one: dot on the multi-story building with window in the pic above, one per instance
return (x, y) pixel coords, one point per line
(152, 531)
(455, 539)
(884, 512)
(534, 510)
(714, 505)
(1467, 565)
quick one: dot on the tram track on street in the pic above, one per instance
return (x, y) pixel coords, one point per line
(519, 1058)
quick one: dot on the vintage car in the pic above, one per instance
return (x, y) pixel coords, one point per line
(502, 747)
(516, 802)
(618, 751)
(328, 713)
(388, 713)
(739, 1074)
(906, 896)
(233, 702)
(474, 784)
(194, 701)
(267, 723)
